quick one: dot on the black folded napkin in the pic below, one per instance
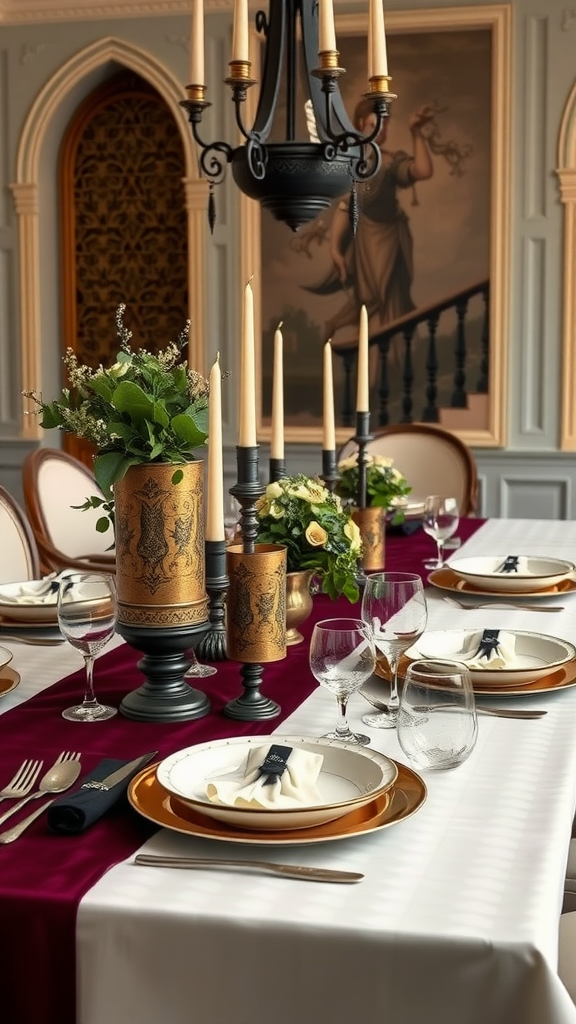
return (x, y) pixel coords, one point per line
(406, 529)
(77, 810)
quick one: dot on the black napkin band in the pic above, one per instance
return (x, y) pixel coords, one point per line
(275, 763)
(77, 810)
(510, 564)
(488, 643)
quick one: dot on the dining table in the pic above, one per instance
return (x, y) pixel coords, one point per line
(456, 917)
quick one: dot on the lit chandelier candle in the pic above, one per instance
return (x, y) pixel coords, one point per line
(377, 56)
(277, 439)
(247, 419)
(240, 43)
(197, 43)
(326, 31)
(328, 428)
(215, 494)
(363, 383)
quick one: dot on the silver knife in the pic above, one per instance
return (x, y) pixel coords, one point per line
(302, 871)
(117, 776)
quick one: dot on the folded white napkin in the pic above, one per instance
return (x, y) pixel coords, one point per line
(44, 591)
(503, 656)
(293, 788)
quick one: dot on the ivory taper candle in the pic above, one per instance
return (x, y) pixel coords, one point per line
(240, 42)
(247, 425)
(377, 55)
(277, 439)
(326, 31)
(363, 383)
(197, 43)
(328, 429)
(215, 492)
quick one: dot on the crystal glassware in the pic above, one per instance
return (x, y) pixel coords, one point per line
(394, 606)
(440, 520)
(87, 619)
(342, 658)
(197, 669)
(437, 721)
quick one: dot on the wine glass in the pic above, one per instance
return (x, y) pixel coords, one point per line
(437, 722)
(87, 618)
(342, 658)
(197, 669)
(394, 606)
(440, 521)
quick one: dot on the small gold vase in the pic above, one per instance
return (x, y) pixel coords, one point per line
(298, 603)
(372, 525)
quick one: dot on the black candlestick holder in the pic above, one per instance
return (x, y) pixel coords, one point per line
(256, 628)
(330, 473)
(277, 469)
(213, 644)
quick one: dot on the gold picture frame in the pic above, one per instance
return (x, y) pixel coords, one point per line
(495, 23)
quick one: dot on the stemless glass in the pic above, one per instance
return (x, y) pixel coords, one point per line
(437, 722)
(394, 606)
(342, 658)
(87, 618)
(440, 521)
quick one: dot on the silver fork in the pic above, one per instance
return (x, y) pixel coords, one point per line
(23, 780)
(66, 755)
(504, 604)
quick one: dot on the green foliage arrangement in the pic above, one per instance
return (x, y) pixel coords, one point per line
(144, 408)
(385, 485)
(318, 532)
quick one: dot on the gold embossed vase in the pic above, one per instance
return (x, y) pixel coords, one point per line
(298, 603)
(160, 578)
(371, 522)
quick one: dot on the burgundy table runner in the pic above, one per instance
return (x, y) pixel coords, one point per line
(42, 876)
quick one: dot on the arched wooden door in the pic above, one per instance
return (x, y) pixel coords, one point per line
(123, 224)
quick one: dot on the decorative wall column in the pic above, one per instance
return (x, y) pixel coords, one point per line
(567, 175)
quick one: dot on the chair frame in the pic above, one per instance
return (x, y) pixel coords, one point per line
(23, 526)
(50, 557)
(432, 430)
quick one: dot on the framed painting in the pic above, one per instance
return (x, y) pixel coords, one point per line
(450, 70)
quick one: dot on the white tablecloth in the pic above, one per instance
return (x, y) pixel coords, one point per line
(456, 921)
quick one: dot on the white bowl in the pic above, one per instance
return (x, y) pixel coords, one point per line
(535, 573)
(350, 777)
(25, 607)
(5, 657)
(536, 655)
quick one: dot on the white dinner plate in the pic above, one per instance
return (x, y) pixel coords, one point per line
(536, 655)
(18, 607)
(534, 573)
(447, 579)
(5, 657)
(350, 776)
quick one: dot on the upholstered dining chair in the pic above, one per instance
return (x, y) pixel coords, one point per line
(19, 559)
(53, 483)
(433, 461)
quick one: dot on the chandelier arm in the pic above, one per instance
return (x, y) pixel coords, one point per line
(275, 30)
(256, 157)
(211, 165)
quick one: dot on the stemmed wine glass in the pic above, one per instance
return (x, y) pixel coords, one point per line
(342, 658)
(394, 606)
(197, 669)
(87, 618)
(440, 521)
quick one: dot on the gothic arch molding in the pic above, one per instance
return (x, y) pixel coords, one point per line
(567, 176)
(27, 202)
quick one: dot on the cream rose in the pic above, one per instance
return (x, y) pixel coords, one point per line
(273, 490)
(316, 535)
(352, 531)
(350, 463)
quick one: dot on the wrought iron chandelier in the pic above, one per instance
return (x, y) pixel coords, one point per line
(295, 180)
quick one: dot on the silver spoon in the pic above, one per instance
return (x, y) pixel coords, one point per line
(58, 778)
(480, 708)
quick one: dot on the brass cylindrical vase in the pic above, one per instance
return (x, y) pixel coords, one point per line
(371, 522)
(160, 578)
(256, 603)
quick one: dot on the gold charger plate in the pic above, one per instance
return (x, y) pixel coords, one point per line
(9, 680)
(562, 679)
(447, 579)
(152, 801)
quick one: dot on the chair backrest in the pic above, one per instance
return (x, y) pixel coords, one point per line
(53, 483)
(432, 460)
(19, 558)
